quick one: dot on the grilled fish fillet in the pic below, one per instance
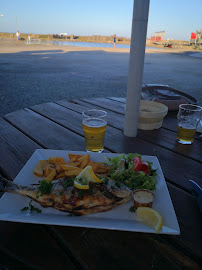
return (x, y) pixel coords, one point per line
(99, 198)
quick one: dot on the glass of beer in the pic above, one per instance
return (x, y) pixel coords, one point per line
(188, 118)
(94, 125)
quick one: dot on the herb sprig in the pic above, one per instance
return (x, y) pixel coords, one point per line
(132, 209)
(45, 187)
(31, 208)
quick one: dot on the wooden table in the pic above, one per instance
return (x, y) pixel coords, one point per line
(58, 126)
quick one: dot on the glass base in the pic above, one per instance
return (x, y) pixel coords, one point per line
(99, 151)
(184, 142)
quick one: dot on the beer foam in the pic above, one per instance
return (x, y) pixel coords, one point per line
(94, 122)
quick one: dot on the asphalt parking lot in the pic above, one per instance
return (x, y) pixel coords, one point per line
(33, 77)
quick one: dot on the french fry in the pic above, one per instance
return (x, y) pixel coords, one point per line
(45, 168)
(75, 164)
(73, 171)
(58, 168)
(67, 167)
(51, 176)
(74, 159)
(94, 167)
(84, 161)
(52, 160)
(100, 163)
(38, 171)
(90, 163)
(102, 170)
(61, 161)
(60, 175)
(57, 160)
(71, 156)
(49, 169)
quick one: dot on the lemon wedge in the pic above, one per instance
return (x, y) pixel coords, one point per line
(80, 184)
(86, 175)
(150, 217)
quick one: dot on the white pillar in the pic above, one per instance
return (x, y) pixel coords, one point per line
(136, 65)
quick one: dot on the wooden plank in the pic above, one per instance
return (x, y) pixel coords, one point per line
(45, 132)
(114, 119)
(16, 149)
(105, 103)
(101, 249)
(188, 215)
(8, 262)
(162, 137)
(32, 246)
(119, 99)
(115, 141)
(124, 250)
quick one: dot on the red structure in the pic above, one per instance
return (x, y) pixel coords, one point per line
(193, 35)
(155, 38)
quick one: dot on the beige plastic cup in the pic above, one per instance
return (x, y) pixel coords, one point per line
(151, 115)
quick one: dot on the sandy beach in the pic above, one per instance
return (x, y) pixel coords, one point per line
(33, 74)
(10, 46)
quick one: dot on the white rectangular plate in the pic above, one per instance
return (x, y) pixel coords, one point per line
(119, 218)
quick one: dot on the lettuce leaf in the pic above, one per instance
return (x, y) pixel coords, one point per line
(122, 171)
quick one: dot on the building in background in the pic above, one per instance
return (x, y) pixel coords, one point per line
(196, 39)
(158, 36)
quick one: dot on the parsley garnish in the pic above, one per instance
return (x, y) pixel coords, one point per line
(132, 208)
(31, 208)
(105, 180)
(68, 183)
(118, 183)
(25, 208)
(45, 187)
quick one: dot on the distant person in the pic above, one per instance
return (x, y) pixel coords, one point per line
(18, 36)
(114, 40)
(28, 39)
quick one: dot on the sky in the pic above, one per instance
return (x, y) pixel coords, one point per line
(178, 18)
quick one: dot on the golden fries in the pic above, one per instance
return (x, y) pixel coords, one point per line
(73, 171)
(56, 160)
(49, 169)
(56, 167)
(84, 161)
(51, 176)
(39, 168)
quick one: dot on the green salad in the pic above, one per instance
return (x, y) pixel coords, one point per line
(131, 171)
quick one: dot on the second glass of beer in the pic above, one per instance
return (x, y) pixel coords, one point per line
(188, 118)
(94, 125)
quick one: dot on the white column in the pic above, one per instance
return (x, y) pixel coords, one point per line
(136, 66)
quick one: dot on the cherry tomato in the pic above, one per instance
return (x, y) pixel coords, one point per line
(138, 164)
(145, 167)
